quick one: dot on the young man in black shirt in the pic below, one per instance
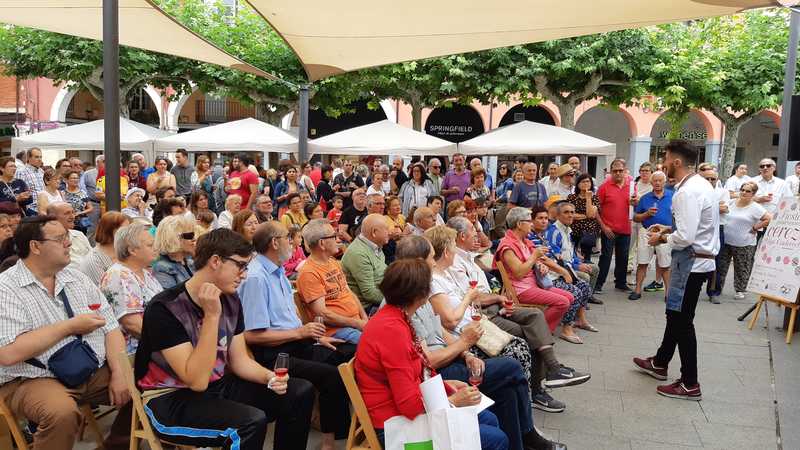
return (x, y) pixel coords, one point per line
(345, 183)
(200, 386)
(350, 223)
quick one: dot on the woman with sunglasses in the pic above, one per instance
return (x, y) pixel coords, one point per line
(175, 243)
(745, 218)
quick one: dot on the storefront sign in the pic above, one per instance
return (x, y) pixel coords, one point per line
(776, 269)
(455, 124)
(688, 135)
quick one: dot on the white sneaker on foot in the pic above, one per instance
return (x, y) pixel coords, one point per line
(738, 295)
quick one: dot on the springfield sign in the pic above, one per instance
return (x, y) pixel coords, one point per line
(776, 270)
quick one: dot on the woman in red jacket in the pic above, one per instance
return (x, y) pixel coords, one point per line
(390, 363)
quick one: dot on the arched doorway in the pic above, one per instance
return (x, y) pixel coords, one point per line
(609, 125)
(457, 123)
(758, 139)
(693, 129)
(320, 124)
(530, 113)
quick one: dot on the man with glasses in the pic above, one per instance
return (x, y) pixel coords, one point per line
(64, 213)
(264, 208)
(192, 363)
(435, 174)
(770, 188)
(44, 304)
(346, 182)
(322, 285)
(272, 327)
(616, 198)
(33, 176)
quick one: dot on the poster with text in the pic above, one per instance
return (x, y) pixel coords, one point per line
(776, 269)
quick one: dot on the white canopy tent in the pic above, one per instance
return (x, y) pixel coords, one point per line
(133, 137)
(245, 135)
(380, 138)
(531, 138)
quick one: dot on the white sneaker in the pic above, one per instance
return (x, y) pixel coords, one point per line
(738, 295)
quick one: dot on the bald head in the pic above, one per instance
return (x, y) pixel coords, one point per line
(424, 218)
(63, 212)
(376, 229)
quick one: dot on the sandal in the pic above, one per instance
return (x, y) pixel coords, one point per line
(587, 327)
(572, 339)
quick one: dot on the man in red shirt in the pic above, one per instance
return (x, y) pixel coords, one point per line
(616, 197)
(242, 181)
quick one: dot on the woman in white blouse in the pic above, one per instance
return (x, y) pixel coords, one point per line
(745, 218)
(233, 204)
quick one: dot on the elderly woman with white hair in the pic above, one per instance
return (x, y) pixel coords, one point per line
(233, 204)
(175, 243)
(129, 284)
(137, 207)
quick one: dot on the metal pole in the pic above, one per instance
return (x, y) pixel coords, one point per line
(111, 101)
(302, 145)
(788, 89)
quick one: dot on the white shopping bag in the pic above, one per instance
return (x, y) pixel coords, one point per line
(403, 434)
(445, 429)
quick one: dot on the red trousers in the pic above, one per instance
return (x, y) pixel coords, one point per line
(557, 301)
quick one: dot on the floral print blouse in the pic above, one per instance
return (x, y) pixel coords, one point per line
(128, 294)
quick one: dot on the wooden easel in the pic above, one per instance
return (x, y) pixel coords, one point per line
(779, 301)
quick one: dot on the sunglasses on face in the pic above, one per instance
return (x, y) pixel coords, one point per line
(188, 236)
(765, 166)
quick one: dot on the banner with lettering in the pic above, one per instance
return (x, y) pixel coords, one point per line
(776, 269)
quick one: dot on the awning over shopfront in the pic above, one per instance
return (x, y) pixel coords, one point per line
(531, 138)
(133, 136)
(335, 37)
(142, 24)
(245, 135)
(380, 138)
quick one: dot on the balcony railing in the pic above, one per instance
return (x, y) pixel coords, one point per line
(218, 111)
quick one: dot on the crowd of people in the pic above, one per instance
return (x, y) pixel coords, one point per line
(239, 290)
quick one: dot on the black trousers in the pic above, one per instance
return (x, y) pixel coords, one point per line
(679, 332)
(234, 413)
(318, 365)
(617, 246)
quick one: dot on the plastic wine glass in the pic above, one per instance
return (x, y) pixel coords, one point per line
(476, 311)
(476, 376)
(282, 364)
(320, 320)
(94, 306)
(473, 283)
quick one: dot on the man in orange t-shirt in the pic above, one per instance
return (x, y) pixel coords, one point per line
(323, 288)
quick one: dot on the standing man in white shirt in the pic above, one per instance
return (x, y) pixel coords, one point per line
(735, 182)
(770, 187)
(794, 180)
(551, 181)
(694, 238)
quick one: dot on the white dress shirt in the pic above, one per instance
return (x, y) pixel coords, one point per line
(551, 184)
(794, 184)
(776, 186)
(696, 212)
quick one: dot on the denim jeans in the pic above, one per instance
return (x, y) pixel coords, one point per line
(503, 382)
(492, 438)
(349, 335)
(618, 245)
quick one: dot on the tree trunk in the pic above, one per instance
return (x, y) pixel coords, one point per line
(567, 112)
(416, 116)
(729, 142)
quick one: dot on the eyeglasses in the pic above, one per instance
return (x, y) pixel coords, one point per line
(64, 239)
(765, 166)
(330, 236)
(617, 170)
(436, 167)
(188, 236)
(241, 265)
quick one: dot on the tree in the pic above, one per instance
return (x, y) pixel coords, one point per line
(732, 66)
(29, 53)
(568, 72)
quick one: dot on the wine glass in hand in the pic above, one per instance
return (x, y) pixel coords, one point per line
(476, 375)
(320, 320)
(476, 310)
(282, 364)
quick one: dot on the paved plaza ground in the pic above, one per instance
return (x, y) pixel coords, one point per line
(748, 379)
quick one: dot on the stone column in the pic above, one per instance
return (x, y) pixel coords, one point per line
(639, 153)
(714, 152)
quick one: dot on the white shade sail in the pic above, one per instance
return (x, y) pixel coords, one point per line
(245, 135)
(133, 136)
(380, 138)
(142, 24)
(334, 37)
(532, 138)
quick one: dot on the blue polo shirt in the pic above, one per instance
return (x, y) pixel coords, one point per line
(267, 298)
(664, 205)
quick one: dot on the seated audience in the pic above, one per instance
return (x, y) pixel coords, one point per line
(335, 213)
(34, 328)
(314, 211)
(424, 219)
(557, 236)
(294, 215)
(175, 243)
(137, 207)
(204, 222)
(364, 262)
(232, 206)
(129, 284)
(64, 213)
(456, 208)
(292, 265)
(102, 256)
(435, 203)
(519, 257)
(168, 207)
(351, 219)
(322, 285)
(200, 202)
(272, 326)
(192, 363)
(245, 223)
(264, 208)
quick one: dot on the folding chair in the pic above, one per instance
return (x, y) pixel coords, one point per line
(140, 423)
(510, 292)
(362, 435)
(11, 435)
(301, 309)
